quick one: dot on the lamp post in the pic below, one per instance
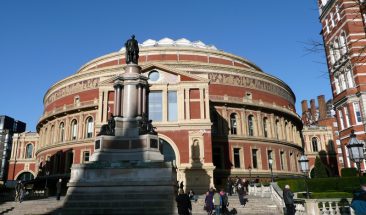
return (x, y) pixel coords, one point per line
(47, 172)
(304, 167)
(270, 162)
(355, 151)
(250, 174)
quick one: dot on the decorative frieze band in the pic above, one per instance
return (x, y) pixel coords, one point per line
(73, 88)
(248, 82)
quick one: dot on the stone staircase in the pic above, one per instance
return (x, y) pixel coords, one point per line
(255, 206)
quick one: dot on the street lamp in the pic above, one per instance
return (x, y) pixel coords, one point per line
(47, 174)
(304, 167)
(270, 162)
(355, 151)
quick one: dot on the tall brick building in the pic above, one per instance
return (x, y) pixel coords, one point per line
(345, 42)
(217, 115)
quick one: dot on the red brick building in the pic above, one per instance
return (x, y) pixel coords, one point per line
(217, 114)
(320, 135)
(345, 41)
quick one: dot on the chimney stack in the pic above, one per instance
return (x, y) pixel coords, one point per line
(304, 106)
(322, 107)
(313, 108)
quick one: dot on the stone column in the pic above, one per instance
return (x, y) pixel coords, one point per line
(139, 100)
(144, 100)
(117, 98)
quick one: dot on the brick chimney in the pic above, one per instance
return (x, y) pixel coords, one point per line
(304, 106)
(322, 107)
(313, 108)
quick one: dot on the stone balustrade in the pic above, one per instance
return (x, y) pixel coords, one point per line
(313, 206)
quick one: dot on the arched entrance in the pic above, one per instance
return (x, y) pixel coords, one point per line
(25, 176)
(167, 150)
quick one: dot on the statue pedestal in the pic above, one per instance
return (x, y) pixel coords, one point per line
(119, 148)
(103, 187)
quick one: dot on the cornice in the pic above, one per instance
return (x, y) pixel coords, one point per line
(256, 140)
(168, 50)
(325, 9)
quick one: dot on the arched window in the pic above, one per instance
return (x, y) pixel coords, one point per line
(250, 125)
(51, 135)
(44, 142)
(314, 142)
(62, 132)
(277, 126)
(28, 151)
(233, 123)
(265, 127)
(74, 129)
(89, 127)
(286, 131)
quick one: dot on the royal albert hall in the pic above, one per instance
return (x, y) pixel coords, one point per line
(217, 115)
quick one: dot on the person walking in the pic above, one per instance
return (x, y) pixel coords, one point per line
(288, 198)
(217, 201)
(359, 200)
(229, 184)
(209, 201)
(225, 202)
(58, 188)
(183, 203)
(19, 191)
(240, 189)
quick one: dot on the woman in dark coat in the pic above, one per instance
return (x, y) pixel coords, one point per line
(183, 203)
(209, 206)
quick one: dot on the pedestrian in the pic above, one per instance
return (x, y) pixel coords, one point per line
(192, 196)
(225, 202)
(208, 207)
(359, 200)
(183, 203)
(19, 191)
(181, 185)
(288, 198)
(229, 185)
(217, 201)
(58, 188)
(241, 193)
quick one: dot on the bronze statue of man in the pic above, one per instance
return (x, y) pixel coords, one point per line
(132, 50)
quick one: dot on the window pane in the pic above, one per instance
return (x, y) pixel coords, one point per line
(172, 106)
(236, 157)
(155, 106)
(254, 157)
(90, 128)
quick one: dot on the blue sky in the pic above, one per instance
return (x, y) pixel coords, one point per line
(44, 41)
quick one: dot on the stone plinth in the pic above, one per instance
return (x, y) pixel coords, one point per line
(121, 187)
(121, 148)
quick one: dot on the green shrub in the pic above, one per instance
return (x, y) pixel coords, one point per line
(343, 184)
(320, 170)
(347, 172)
(330, 195)
(266, 184)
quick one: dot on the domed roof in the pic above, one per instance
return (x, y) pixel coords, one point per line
(169, 42)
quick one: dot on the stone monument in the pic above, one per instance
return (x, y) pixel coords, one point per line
(127, 173)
